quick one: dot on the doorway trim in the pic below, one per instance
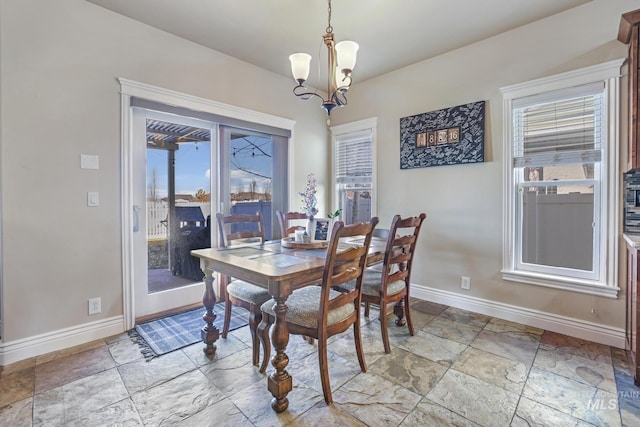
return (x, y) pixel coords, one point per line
(129, 89)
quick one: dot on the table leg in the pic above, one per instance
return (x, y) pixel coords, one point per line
(209, 333)
(279, 382)
(398, 310)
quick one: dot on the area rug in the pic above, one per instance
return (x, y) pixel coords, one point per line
(171, 333)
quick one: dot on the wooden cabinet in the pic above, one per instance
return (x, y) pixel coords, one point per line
(633, 252)
(628, 33)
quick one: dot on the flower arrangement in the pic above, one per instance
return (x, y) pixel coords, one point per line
(309, 200)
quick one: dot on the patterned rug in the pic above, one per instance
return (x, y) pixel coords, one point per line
(171, 333)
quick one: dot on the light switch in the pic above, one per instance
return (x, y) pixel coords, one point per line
(88, 161)
(93, 199)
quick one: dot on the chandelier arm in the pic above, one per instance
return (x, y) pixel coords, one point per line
(345, 83)
(339, 98)
(305, 95)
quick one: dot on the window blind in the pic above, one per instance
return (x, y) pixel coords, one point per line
(354, 157)
(559, 132)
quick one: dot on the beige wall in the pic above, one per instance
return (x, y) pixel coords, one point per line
(59, 99)
(463, 232)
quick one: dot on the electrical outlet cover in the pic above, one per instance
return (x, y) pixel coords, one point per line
(95, 306)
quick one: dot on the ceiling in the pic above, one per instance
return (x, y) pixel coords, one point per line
(391, 33)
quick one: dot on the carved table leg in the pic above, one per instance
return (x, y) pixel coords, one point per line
(279, 382)
(209, 333)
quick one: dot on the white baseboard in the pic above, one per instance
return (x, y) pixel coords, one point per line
(583, 329)
(15, 351)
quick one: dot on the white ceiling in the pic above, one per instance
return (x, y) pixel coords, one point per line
(391, 33)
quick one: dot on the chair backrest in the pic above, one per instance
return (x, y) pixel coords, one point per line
(345, 262)
(283, 221)
(401, 245)
(241, 228)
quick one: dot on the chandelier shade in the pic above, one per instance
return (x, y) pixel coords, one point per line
(341, 62)
(300, 63)
(346, 52)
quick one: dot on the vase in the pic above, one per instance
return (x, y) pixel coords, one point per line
(310, 228)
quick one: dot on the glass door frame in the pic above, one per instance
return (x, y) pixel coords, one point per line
(130, 90)
(146, 303)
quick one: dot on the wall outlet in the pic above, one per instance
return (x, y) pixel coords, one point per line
(465, 282)
(95, 306)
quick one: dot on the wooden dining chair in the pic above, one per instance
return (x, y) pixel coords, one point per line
(286, 230)
(283, 220)
(390, 284)
(234, 229)
(320, 311)
(380, 233)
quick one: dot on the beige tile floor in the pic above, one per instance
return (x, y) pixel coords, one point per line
(460, 369)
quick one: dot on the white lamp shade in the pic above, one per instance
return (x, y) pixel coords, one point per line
(300, 66)
(346, 52)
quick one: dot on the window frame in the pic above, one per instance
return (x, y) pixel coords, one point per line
(605, 282)
(352, 129)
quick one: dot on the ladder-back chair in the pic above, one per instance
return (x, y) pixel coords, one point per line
(320, 311)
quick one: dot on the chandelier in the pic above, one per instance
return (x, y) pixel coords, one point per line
(341, 60)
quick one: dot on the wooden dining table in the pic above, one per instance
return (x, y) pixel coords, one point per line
(281, 270)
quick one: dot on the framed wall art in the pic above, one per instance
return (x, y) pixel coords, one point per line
(450, 136)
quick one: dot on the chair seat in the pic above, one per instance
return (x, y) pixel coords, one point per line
(304, 305)
(371, 284)
(247, 292)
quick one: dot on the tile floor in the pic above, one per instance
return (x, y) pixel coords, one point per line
(460, 369)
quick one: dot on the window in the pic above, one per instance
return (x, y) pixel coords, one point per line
(354, 170)
(561, 175)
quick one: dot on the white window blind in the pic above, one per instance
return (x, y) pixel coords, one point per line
(354, 157)
(560, 131)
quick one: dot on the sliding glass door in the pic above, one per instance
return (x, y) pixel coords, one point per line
(253, 175)
(183, 177)
(172, 203)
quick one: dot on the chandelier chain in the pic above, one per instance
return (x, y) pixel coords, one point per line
(329, 27)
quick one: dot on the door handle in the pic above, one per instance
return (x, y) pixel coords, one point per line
(136, 218)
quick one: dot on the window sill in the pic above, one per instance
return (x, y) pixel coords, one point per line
(565, 284)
